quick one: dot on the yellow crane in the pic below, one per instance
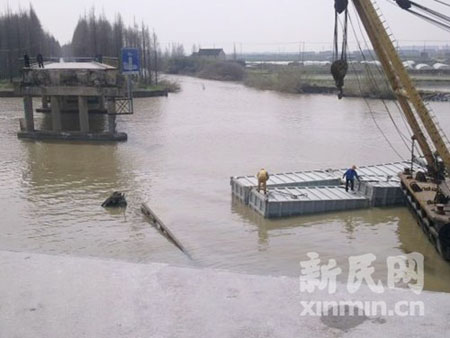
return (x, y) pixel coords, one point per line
(427, 193)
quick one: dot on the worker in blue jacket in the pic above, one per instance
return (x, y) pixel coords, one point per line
(350, 176)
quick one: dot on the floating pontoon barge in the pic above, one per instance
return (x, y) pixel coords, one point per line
(318, 191)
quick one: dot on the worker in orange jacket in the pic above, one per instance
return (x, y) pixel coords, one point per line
(263, 177)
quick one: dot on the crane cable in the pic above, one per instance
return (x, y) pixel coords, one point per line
(442, 2)
(375, 121)
(432, 12)
(371, 110)
(430, 20)
(382, 74)
(403, 137)
(406, 139)
(433, 16)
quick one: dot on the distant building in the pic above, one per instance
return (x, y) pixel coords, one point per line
(211, 53)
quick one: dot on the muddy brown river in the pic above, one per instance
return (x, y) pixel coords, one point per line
(180, 155)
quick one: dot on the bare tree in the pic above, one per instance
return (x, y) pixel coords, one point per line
(21, 33)
(155, 51)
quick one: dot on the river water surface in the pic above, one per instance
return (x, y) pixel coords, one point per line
(180, 155)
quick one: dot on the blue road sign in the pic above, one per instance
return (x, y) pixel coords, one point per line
(130, 61)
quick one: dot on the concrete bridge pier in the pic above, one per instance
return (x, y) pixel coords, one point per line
(111, 107)
(28, 109)
(56, 113)
(83, 113)
(44, 102)
(102, 103)
(82, 88)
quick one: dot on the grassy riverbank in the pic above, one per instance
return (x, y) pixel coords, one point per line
(361, 80)
(207, 69)
(163, 85)
(298, 80)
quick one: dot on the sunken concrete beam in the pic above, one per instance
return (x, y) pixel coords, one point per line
(56, 113)
(83, 113)
(28, 108)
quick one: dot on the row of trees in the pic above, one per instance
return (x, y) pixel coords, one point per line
(96, 36)
(21, 33)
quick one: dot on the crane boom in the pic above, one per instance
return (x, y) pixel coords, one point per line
(427, 196)
(403, 87)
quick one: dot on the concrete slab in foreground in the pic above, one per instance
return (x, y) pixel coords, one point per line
(46, 296)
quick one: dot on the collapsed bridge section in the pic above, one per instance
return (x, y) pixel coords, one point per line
(72, 87)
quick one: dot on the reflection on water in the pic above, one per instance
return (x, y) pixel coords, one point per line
(71, 122)
(179, 157)
(382, 231)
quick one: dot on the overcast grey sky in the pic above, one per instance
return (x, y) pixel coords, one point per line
(254, 25)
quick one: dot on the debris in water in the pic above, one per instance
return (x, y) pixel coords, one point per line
(116, 200)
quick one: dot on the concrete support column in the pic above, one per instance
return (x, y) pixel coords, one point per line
(28, 109)
(44, 102)
(111, 115)
(83, 113)
(101, 103)
(56, 113)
